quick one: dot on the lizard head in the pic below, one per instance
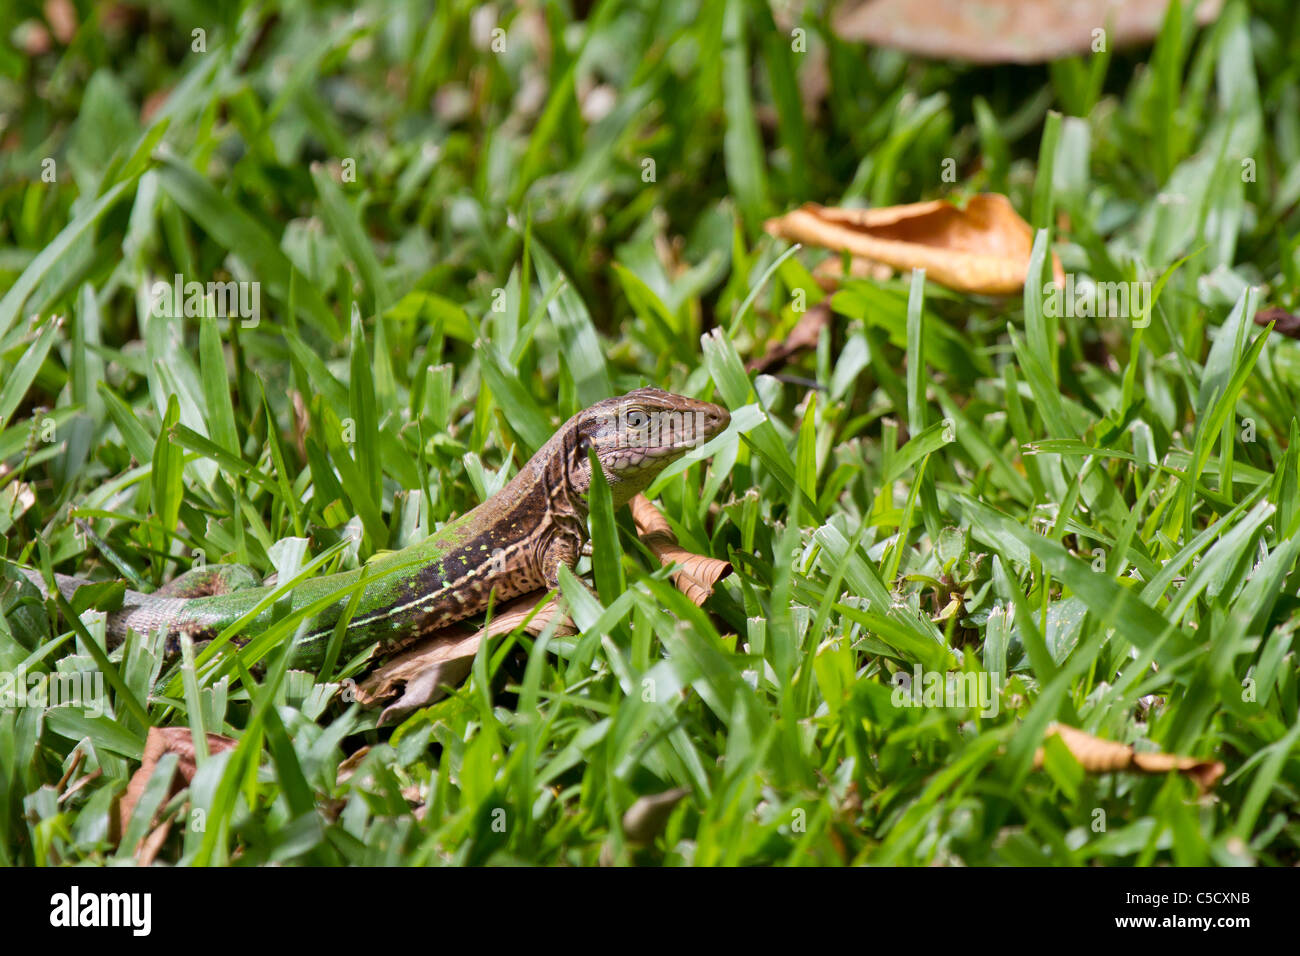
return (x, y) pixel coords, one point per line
(638, 435)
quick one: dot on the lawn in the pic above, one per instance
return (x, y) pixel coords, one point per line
(451, 226)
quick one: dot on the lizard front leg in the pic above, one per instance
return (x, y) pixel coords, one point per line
(563, 549)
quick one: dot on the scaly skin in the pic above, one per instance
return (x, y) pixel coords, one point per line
(511, 544)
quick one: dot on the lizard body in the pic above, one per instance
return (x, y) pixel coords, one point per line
(509, 545)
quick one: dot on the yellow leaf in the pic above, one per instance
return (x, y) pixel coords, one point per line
(983, 248)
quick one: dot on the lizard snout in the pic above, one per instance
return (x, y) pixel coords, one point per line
(716, 420)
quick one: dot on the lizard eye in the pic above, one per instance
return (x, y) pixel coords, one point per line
(584, 442)
(636, 419)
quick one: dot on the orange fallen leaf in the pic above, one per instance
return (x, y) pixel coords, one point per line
(1105, 756)
(1006, 31)
(983, 248)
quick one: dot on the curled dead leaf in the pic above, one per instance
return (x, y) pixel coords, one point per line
(1106, 756)
(698, 574)
(421, 675)
(983, 248)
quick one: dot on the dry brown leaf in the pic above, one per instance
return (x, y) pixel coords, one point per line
(1005, 31)
(983, 248)
(422, 674)
(517, 611)
(159, 742)
(1105, 756)
(698, 573)
(804, 335)
(1287, 323)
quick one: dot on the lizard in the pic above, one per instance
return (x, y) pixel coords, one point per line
(511, 544)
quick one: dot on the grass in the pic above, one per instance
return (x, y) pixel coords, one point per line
(458, 247)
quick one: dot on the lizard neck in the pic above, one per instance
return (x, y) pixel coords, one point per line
(541, 501)
(544, 486)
